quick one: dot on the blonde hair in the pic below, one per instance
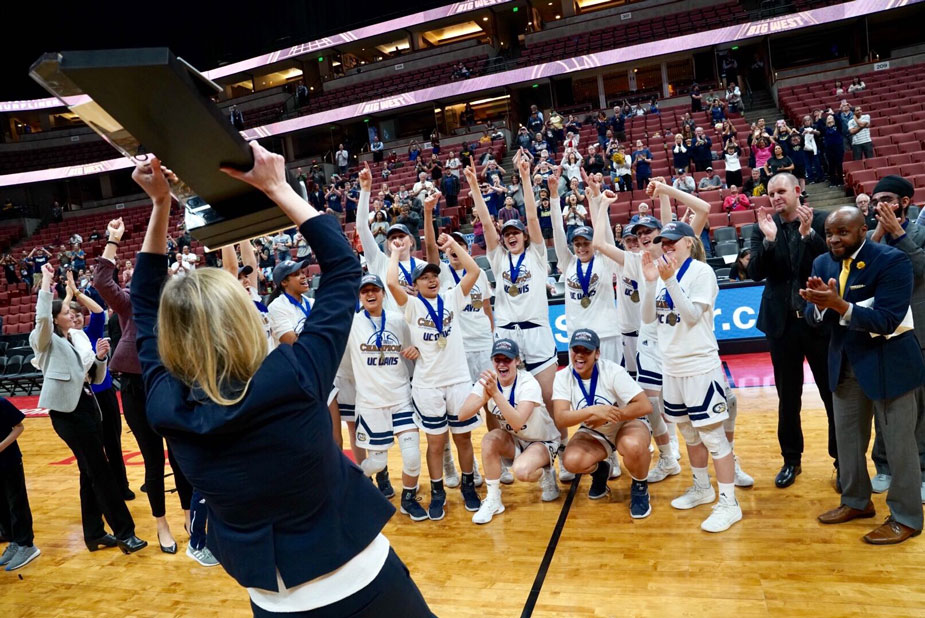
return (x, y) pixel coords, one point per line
(209, 335)
(697, 250)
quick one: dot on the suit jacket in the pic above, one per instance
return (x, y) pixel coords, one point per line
(125, 356)
(913, 245)
(280, 493)
(884, 368)
(773, 266)
(62, 367)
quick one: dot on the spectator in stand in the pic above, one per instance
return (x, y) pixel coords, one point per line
(780, 162)
(755, 185)
(572, 125)
(653, 107)
(575, 215)
(838, 90)
(574, 188)
(341, 159)
(453, 164)
(492, 171)
(10, 266)
(509, 211)
(57, 213)
(544, 212)
(696, 98)
(857, 84)
(414, 149)
(700, 150)
(739, 270)
(236, 118)
(379, 227)
(642, 211)
(571, 165)
(377, 148)
(793, 147)
(538, 145)
(594, 163)
(710, 182)
(733, 165)
(352, 193)
(730, 70)
(420, 189)
(334, 202)
(282, 245)
(535, 122)
(412, 221)
(734, 99)
(523, 139)
(435, 142)
(763, 149)
(735, 200)
(75, 239)
(811, 149)
(449, 187)
(859, 129)
(862, 201)
(834, 144)
(618, 123)
(601, 125)
(717, 110)
(515, 191)
(684, 182)
(642, 160)
(492, 198)
(468, 115)
(622, 170)
(680, 154)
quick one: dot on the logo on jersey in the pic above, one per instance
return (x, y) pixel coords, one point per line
(574, 287)
(503, 422)
(475, 300)
(522, 284)
(631, 289)
(387, 356)
(666, 315)
(426, 322)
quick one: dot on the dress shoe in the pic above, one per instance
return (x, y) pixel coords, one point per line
(105, 541)
(787, 475)
(128, 495)
(846, 513)
(131, 544)
(890, 532)
(167, 549)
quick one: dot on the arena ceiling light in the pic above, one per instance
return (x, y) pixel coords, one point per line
(490, 100)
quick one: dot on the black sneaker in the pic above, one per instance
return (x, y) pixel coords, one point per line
(411, 506)
(385, 485)
(470, 497)
(639, 500)
(599, 479)
(437, 500)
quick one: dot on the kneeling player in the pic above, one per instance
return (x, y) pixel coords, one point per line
(384, 411)
(528, 436)
(601, 396)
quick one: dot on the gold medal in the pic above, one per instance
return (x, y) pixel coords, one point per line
(635, 296)
(585, 302)
(513, 292)
(672, 319)
(477, 305)
(441, 342)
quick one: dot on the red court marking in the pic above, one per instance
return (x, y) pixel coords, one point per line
(756, 370)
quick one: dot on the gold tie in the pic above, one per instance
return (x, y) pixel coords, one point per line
(843, 275)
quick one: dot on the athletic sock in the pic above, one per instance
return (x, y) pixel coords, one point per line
(468, 478)
(727, 492)
(732, 446)
(664, 450)
(436, 484)
(701, 477)
(494, 488)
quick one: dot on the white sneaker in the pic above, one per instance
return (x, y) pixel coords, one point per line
(506, 476)
(673, 442)
(450, 475)
(880, 483)
(694, 496)
(476, 475)
(490, 507)
(615, 470)
(549, 485)
(666, 466)
(723, 516)
(564, 475)
(742, 479)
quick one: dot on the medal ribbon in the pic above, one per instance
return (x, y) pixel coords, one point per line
(455, 276)
(510, 396)
(585, 279)
(303, 306)
(515, 270)
(378, 330)
(436, 316)
(681, 272)
(405, 271)
(589, 397)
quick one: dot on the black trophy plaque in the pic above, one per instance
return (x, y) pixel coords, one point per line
(149, 101)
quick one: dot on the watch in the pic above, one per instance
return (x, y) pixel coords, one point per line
(809, 236)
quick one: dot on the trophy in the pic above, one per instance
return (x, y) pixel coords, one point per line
(148, 102)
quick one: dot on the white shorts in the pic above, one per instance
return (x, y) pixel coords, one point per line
(552, 446)
(346, 392)
(628, 361)
(612, 349)
(376, 427)
(537, 346)
(478, 362)
(699, 399)
(607, 433)
(649, 365)
(438, 408)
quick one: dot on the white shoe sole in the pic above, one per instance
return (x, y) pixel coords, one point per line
(600, 497)
(547, 498)
(709, 499)
(197, 560)
(729, 525)
(482, 523)
(412, 517)
(744, 483)
(507, 478)
(451, 481)
(644, 515)
(661, 477)
(37, 553)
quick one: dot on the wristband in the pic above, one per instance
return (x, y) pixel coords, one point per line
(112, 242)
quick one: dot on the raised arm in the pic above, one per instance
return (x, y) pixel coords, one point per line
(666, 192)
(533, 219)
(600, 242)
(650, 275)
(230, 260)
(431, 252)
(371, 250)
(82, 298)
(481, 209)
(391, 276)
(563, 255)
(40, 337)
(472, 269)
(249, 258)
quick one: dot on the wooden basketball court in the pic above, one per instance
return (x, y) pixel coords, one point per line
(778, 561)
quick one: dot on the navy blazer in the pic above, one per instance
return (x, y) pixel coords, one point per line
(884, 368)
(280, 494)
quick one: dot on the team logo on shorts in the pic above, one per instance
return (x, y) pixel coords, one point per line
(719, 408)
(361, 437)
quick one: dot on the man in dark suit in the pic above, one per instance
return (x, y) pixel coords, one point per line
(788, 237)
(863, 291)
(890, 205)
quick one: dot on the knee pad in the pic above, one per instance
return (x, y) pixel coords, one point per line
(691, 435)
(732, 406)
(410, 446)
(655, 418)
(714, 438)
(375, 462)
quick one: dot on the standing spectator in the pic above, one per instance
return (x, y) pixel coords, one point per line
(453, 164)
(734, 98)
(601, 125)
(10, 266)
(834, 151)
(509, 211)
(342, 159)
(700, 150)
(710, 182)
(730, 70)
(435, 142)
(811, 150)
(57, 213)
(859, 129)
(377, 148)
(379, 227)
(420, 190)
(856, 85)
(523, 139)
(282, 245)
(413, 151)
(412, 221)
(717, 111)
(642, 160)
(778, 163)
(15, 500)
(594, 163)
(449, 187)
(622, 170)
(575, 215)
(794, 149)
(680, 154)
(618, 123)
(733, 165)
(696, 98)
(515, 191)
(334, 200)
(236, 118)
(788, 237)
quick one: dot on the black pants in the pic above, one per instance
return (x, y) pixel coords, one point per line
(152, 447)
(100, 496)
(16, 516)
(734, 178)
(835, 157)
(799, 341)
(392, 593)
(112, 434)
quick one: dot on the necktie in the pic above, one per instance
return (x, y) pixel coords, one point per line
(843, 275)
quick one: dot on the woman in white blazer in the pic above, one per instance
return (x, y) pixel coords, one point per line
(69, 365)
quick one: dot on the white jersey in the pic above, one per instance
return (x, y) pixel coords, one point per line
(288, 315)
(374, 351)
(539, 427)
(601, 313)
(688, 350)
(264, 314)
(530, 303)
(438, 366)
(633, 279)
(614, 387)
(473, 320)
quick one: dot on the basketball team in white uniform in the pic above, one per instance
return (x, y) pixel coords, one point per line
(429, 353)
